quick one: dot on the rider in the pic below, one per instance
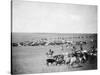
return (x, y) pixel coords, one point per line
(50, 52)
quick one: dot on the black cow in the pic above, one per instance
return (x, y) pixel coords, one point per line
(50, 61)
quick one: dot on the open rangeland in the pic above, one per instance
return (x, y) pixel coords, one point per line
(29, 59)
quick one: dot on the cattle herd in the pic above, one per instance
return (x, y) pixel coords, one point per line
(71, 59)
(75, 57)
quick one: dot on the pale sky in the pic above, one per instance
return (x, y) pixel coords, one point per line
(30, 16)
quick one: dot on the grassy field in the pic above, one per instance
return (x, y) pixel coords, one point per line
(29, 59)
(33, 60)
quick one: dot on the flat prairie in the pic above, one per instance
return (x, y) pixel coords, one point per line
(32, 59)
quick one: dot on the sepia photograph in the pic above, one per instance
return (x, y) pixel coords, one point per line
(51, 37)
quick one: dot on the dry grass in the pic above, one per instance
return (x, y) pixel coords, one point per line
(33, 60)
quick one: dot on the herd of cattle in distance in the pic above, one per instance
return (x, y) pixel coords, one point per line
(46, 42)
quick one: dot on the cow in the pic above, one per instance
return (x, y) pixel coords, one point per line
(59, 59)
(81, 55)
(15, 44)
(67, 59)
(70, 58)
(50, 61)
(73, 60)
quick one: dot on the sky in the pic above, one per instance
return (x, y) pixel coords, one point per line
(30, 17)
